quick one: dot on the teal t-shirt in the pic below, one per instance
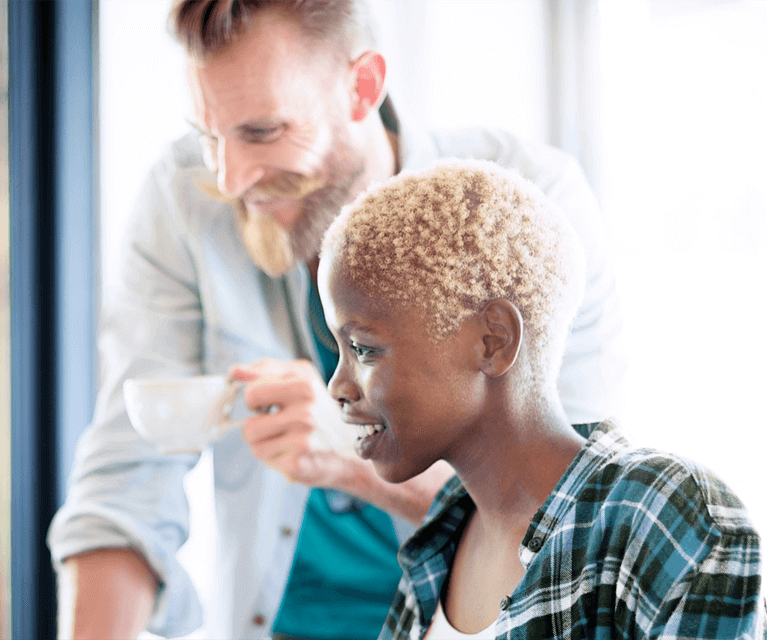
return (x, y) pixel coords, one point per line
(345, 570)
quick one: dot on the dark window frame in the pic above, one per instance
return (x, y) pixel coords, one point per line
(53, 272)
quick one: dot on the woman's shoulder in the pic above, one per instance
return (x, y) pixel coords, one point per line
(664, 488)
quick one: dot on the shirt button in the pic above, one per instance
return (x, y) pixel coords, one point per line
(286, 532)
(505, 602)
(258, 620)
(535, 544)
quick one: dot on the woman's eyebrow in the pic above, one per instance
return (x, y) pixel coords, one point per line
(353, 325)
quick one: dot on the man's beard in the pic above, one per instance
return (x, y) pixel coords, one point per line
(275, 249)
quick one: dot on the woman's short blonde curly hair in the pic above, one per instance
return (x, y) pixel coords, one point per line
(452, 237)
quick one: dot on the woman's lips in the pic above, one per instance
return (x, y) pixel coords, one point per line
(364, 430)
(368, 436)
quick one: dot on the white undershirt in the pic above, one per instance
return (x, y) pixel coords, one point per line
(441, 629)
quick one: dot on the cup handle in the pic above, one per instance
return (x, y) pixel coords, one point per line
(235, 411)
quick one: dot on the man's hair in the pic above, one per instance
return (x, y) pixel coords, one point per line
(204, 27)
(451, 238)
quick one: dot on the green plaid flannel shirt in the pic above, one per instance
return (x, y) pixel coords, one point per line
(632, 543)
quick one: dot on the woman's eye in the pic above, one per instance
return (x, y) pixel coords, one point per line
(360, 351)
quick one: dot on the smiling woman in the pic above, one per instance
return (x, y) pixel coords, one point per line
(575, 518)
(407, 272)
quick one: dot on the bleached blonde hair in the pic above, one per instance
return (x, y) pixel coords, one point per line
(451, 238)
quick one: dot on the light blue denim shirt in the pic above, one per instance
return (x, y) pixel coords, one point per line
(190, 301)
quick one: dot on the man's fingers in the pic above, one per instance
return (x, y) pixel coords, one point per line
(266, 427)
(269, 410)
(283, 392)
(253, 372)
(272, 449)
(269, 367)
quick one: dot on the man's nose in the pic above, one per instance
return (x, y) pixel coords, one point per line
(342, 387)
(238, 168)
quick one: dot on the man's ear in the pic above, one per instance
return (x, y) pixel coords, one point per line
(501, 335)
(369, 74)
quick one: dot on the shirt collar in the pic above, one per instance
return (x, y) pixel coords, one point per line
(448, 513)
(604, 443)
(452, 506)
(427, 556)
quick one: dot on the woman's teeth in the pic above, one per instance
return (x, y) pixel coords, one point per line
(365, 430)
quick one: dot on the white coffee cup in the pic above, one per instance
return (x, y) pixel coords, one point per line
(184, 414)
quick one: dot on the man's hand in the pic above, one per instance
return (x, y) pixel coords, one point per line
(298, 428)
(304, 438)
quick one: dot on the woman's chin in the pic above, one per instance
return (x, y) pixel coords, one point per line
(391, 473)
(395, 474)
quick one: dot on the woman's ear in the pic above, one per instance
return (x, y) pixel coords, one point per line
(501, 335)
(369, 74)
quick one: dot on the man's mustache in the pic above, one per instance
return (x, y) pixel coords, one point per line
(285, 184)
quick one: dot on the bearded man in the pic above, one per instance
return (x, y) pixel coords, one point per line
(292, 121)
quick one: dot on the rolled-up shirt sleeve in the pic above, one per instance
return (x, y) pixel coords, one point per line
(122, 492)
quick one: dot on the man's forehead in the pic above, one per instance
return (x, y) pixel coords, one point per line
(272, 39)
(271, 64)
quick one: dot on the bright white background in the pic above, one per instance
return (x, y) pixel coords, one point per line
(679, 138)
(683, 175)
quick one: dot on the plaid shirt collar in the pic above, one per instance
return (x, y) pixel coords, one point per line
(698, 552)
(428, 555)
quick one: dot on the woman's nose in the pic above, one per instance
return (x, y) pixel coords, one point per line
(342, 388)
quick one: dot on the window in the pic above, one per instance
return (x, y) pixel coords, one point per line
(682, 168)
(5, 341)
(52, 310)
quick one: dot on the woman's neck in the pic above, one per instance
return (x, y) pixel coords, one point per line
(514, 460)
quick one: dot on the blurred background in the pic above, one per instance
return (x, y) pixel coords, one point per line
(662, 101)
